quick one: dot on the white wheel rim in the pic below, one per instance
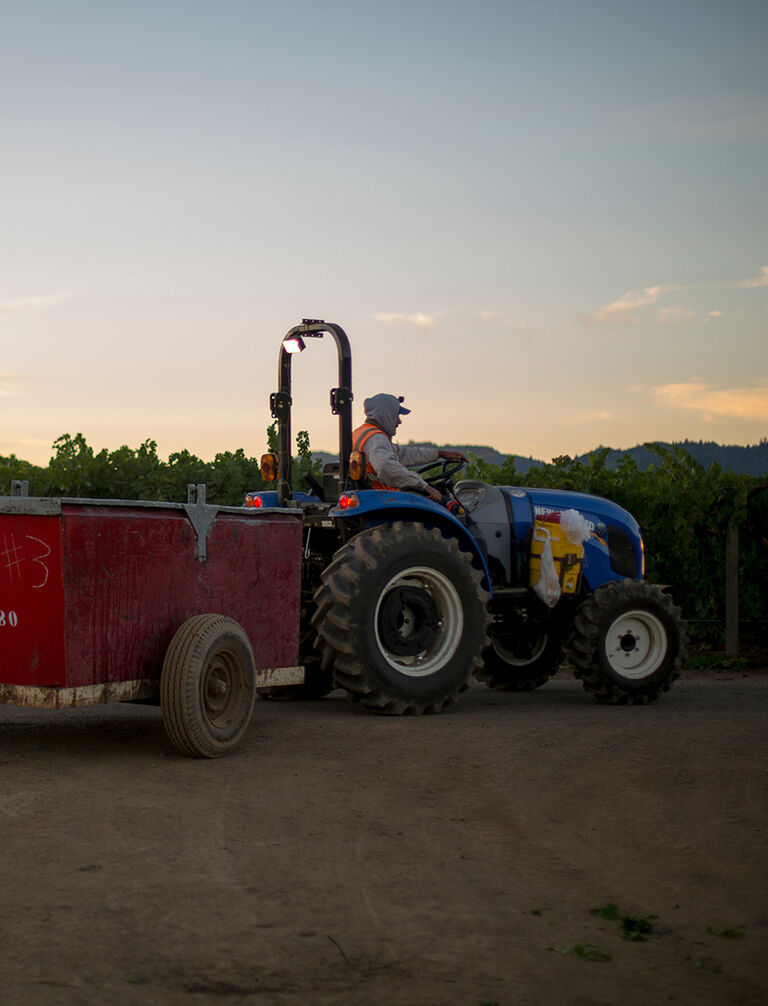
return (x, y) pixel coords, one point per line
(513, 659)
(636, 644)
(451, 622)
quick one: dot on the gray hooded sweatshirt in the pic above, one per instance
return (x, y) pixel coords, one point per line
(389, 460)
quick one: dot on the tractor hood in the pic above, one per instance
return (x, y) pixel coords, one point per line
(595, 509)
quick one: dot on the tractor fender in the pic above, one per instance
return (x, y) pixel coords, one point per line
(385, 506)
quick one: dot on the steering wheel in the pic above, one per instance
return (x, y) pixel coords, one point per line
(442, 478)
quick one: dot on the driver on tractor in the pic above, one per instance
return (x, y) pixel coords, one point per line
(386, 463)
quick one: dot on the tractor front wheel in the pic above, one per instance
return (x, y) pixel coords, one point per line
(627, 643)
(401, 618)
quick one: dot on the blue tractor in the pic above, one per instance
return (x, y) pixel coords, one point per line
(404, 599)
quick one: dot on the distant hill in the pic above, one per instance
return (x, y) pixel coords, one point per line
(488, 454)
(742, 460)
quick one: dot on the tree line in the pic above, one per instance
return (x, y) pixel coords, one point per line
(683, 508)
(77, 471)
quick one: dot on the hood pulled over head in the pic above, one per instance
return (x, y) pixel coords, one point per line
(383, 410)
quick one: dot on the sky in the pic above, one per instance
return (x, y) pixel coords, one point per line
(543, 223)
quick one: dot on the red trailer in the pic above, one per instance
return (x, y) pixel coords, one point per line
(193, 604)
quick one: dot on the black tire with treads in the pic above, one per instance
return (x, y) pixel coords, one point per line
(208, 686)
(627, 643)
(401, 616)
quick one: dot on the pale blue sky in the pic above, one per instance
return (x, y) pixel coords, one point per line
(544, 223)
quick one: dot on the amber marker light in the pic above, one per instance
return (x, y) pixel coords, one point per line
(269, 467)
(348, 501)
(357, 466)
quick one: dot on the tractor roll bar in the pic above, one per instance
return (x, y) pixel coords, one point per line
(341, 400)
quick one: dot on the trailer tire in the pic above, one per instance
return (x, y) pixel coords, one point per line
(401, 617)
(208, 686)
(627, 643)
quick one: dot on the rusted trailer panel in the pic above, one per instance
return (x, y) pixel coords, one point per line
(92, 592)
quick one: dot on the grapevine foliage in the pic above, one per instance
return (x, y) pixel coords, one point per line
(77, 471)
(683, 508)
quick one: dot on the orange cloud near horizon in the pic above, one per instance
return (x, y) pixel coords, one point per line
(698, 396)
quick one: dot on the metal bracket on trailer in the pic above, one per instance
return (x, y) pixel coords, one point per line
(201, 516)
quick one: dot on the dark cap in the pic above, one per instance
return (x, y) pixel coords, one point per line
(403, 411)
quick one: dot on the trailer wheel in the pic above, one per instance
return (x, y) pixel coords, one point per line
(520, 664)
(207, 686)
(401, 617)
(627, 643)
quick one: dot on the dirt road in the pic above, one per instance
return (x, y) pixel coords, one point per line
(344, 858)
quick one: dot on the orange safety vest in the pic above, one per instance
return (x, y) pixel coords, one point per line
(359, 438)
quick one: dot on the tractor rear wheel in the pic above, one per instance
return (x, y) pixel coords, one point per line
(401, 618)
(207, 686)
(627, 642)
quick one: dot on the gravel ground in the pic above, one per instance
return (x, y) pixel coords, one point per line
(340, 858)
